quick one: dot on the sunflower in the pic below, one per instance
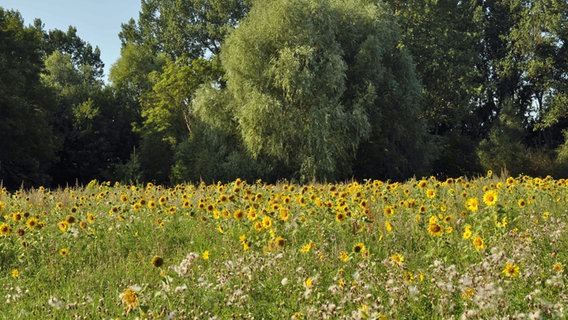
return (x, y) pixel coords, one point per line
(389, 211)
(431, 193)
(522, 203)
(151, 204)
(284, 214)
(5, 229)
(359, 248)
(397, 258)
(280, 242)
(130, 298)
(157, 261)
(70, 219)
(32, 223)
(64, 252)
(266, 222)
(252, 215)
(478, 243)
(90, 218)
(471, 204)
(17, 216)
(63, 225)
(490, 197)
(434, 228)
(467, 232)
(340, 217)
(511, 270)
(238, 214)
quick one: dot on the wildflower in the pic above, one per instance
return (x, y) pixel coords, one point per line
(397, 259)
(478, 243)
(340, 217)
(63, 225)
(490, 197)
(280, 242)
(359, 248)
(157, 261)
(238, 215)
(306, 248)
(558, 267)
(64, 252)
(471, 204)
(130, 298)
(309, 282)
(17, 216)
(252, 215)
(388, 226)
(468, 293)
(511, 270)
(284, 215)
(389, 211)
(70, 219)
(266, 222)
(205, 255)
(15, 273)
(434, 228)
(32, 223)
(467, 232)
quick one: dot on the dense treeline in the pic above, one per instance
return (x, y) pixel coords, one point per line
(302, 89)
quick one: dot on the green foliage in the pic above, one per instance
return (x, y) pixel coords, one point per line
(310, 80)
(503, 150)
(194, 28)
(27, 142)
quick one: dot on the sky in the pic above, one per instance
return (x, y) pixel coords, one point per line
(97, 21)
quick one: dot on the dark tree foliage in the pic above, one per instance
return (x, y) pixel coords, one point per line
(27, 142)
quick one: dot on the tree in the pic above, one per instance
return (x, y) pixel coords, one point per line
(194, 28)
(94, 128)
(166, 55)
(27, 141)
(307, 81)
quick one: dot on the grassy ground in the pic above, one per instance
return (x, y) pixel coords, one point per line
(475, 249)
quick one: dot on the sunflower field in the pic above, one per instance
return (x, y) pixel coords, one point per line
(489, 247)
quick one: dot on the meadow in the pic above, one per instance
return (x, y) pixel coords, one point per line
(484, 248)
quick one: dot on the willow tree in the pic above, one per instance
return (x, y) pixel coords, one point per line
(308, 80)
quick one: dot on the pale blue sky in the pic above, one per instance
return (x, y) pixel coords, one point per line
(97, 21)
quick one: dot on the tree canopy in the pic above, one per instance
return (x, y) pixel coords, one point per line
(289, 89)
